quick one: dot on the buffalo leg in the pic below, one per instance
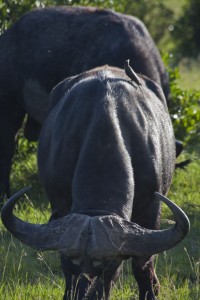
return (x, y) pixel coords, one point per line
(143, 267)
(10, 121)
(146, 279)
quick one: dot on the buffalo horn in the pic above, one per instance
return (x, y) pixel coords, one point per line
(98, 237)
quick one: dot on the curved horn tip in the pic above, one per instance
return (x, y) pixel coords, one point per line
(176, 210)
(8, 206)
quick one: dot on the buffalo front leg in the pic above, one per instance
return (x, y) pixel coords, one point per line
(147, 216)
(146, 279)
(11, 117)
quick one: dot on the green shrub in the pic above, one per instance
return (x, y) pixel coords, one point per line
(186, 32)
(184, 109)
(156, 16)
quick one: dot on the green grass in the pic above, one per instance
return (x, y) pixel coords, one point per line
(29, 274)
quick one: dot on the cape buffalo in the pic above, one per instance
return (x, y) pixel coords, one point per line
(45, 46)
(106, 155)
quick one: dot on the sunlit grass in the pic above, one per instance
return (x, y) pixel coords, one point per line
(28, 274)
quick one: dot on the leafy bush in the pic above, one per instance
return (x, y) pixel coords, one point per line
(11, 10)
(155, 15)
(186, 32)
(184, 109)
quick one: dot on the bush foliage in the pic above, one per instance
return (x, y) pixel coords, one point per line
(152, 13)
(186, 32)
(184, 108)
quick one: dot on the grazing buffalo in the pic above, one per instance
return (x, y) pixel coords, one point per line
(106, 156)
(45, 46)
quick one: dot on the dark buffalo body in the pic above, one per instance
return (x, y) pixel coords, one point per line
(47, 45)
(105, 148)
(96, 128)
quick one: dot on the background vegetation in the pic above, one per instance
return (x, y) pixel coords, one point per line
(28, 274)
